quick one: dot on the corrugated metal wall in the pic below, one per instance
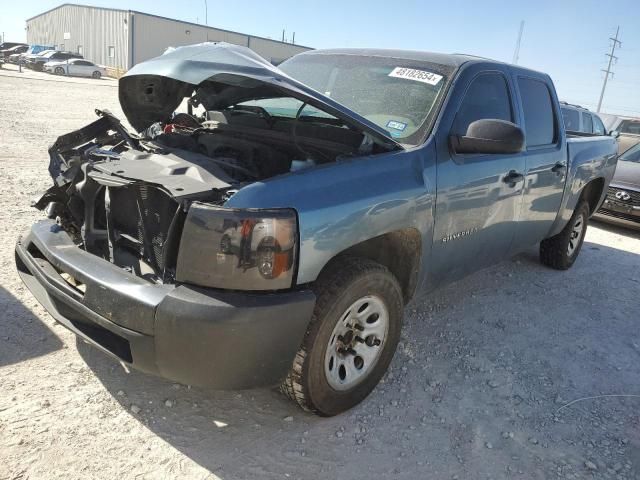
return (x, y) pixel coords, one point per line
(92, 29)
(100, 32)
(152, 35)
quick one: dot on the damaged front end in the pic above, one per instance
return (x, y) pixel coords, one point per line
(134, 198)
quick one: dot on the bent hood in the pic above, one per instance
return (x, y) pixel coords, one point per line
(222, 74)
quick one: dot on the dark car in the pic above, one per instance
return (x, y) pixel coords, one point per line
(4, 53)
(8, 45)
(622, 205)
(37, 62)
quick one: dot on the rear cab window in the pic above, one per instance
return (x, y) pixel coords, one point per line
(539, 116)
(598, 126)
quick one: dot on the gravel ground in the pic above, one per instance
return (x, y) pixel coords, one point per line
(481, 386)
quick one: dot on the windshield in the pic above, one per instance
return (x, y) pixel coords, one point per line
(631, 155)
(401, 96)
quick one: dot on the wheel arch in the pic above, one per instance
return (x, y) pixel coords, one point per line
(400, 251)
(593, 192)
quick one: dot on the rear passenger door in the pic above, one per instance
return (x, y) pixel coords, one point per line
(478, 196)
(545, 158)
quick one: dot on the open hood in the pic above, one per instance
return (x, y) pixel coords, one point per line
(222, 75)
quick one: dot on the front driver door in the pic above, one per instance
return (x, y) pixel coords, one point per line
(478, 196)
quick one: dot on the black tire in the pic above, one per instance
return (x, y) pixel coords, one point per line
(561, 250)
(59, 71)
(345, 281)
(96, 74)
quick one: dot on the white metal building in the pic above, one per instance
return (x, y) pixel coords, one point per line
(122, 38)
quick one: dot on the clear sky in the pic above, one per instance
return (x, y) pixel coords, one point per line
(566, 38)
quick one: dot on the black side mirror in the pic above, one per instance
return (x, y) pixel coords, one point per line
(614, 133)
(489, 136)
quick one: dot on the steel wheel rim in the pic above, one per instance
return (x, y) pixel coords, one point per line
(356, 343)
(574, 236)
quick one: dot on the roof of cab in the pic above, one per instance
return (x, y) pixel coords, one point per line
(454, 60)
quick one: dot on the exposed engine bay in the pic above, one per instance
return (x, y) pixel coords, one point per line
(125, 196)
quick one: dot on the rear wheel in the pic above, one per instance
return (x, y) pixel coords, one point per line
(561, 250)
(351, 339)
(96, 74)
(59, 71)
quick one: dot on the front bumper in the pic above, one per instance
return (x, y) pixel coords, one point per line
(192, 335)
(620, 212)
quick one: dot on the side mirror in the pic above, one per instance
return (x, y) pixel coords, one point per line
(489, 136)
(614, 133)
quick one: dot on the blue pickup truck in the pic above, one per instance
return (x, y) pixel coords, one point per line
(267, 226)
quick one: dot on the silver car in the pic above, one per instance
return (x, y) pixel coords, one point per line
(77, 67)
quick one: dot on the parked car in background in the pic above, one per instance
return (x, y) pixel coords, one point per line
(32, 50)
(7, 45)
(203, 251)
(18, 49)
(77, 67)
(28, 58)
(622, 204)
(580, 120)
(628, 129)
(37, 62)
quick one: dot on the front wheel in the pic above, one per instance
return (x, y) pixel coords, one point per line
(351, 338)
(96, 74)
(59, 71)
(561, 250)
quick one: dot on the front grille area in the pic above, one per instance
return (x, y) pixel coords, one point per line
(141, 216)
(620, 215)
(633, 201)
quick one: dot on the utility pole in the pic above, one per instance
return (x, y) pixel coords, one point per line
(516, 53)
(206, 16)
(612, 60)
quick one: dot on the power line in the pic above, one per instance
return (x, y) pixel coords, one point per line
(608, 71)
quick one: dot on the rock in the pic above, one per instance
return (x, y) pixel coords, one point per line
(288, 419)
(135, 409)
(590, 465)
(533, 440)
(617, 467)
(339, 434)
(488, 445)
(168, 403)
(507, 435)
(120, 393)
(493, 384)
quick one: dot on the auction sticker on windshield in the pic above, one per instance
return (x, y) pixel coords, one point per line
(417, 75)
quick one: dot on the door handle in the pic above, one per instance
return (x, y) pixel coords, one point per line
(559, 168)
(512, 178)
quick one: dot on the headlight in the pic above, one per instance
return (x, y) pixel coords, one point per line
(238, 249)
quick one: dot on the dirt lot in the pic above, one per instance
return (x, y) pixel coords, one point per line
(480, 387)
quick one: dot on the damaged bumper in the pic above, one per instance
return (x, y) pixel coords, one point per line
(192, 335)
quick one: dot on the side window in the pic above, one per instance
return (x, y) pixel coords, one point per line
(587, 123)
(598, 126)
(571, 119)
(112, 52)
(539, 119)
(487, 97)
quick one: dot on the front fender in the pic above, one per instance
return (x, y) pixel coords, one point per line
(342, 204)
